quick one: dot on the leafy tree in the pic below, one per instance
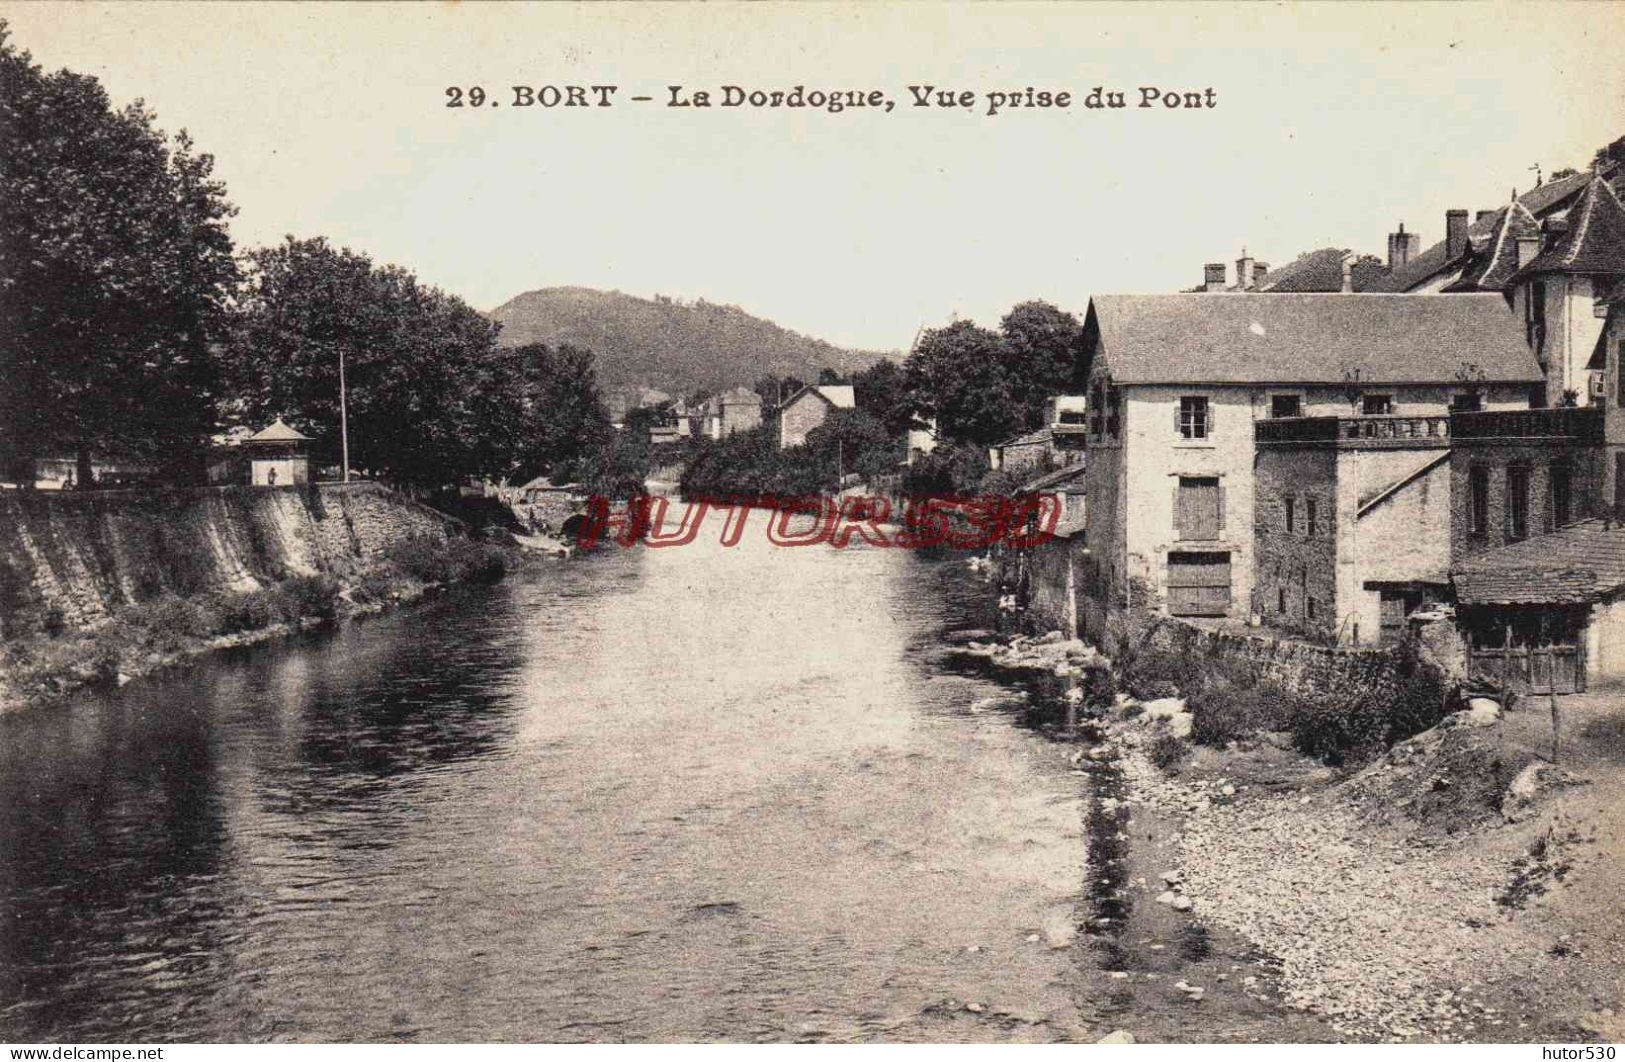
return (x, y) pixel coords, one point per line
(431, 398)
(1043, 355)
(882, 391)
(775, 389)
(617, 468)
(850, 440)
(954, 470)
(829, 377)
(115, 269)
(959, 375)
(564, 415)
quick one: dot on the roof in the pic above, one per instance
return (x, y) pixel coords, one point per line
(1322, 270)
(1494, 267)
(1041, 437)
(738, 395)
(841, 396)
(1578, 563)
(1306, 339)
(1059, 477)
(1591, 239)
(278, 431)
(1539, 201)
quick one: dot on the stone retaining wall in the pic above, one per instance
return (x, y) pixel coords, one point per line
(71, 558)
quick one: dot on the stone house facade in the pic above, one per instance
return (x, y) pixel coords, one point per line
(1177, 384)
(807, 408)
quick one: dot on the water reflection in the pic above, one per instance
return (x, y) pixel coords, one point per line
(687, 794)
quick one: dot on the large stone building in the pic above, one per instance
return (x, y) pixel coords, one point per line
(1178, 382)
(735, 410)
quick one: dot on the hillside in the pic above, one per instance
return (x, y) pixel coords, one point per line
(675, 347)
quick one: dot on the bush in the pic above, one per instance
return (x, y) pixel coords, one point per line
(1155, 673)
(309, 595)
(1167, 751)
(1099, 689)
(168, 622)
(374, 586)
(1337, 730)
(430, 559)
(1224, 710)
(251, 611)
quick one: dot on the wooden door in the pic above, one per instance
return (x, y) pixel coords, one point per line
(1198, 584)
(1198, 514)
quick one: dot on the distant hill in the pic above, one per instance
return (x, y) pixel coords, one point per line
(673, 346)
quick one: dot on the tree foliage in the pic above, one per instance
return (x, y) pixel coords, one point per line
(431, 398)
(115, 269)
(983, 386)
(564, 419)
(882, 391)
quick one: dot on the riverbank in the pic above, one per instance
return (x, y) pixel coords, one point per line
(171, 630)
(1457, 888)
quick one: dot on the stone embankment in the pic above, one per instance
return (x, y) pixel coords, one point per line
(106, 586)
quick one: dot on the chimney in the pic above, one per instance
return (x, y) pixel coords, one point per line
(1528, 248)
(1348, 273)
(1244, 271)
(1213, 276)
(1455, 234)
(1402, 247)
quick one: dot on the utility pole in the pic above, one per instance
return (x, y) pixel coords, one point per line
(344, 419)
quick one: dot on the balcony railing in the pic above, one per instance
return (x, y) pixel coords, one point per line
(1583, 424)
(1398, 431)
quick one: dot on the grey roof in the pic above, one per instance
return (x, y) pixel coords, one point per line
(1538, 201)
(1591, 241)
(1307, 339)
(277, 431)
(1578, 563)
(1322, 270)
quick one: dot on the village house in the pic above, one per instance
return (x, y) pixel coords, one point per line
(1058, 443)
(732, 411)
(1537, 535)
(807, 408)
(1177, 384)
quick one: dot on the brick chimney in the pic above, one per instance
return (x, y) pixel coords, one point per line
(1402, 247)
(1213, 276)
(1244, 271)
(1348, 273)
(1455, 234)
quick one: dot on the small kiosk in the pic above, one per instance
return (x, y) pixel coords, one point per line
(278, 456)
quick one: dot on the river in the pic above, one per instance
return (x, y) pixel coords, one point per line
(679, 794)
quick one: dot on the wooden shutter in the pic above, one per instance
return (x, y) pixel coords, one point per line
(1211, 413)
(1221, 506)
(1179, 509)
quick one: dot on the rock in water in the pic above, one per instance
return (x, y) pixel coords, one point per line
(1117, 1036)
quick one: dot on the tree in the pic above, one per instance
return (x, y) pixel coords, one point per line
(850, 440)
(775, 389)
(115, 270)
(564, 416)
(1043, 355)
(829, 377)
(617, 469)
(431, 398)
(959, 375)
(882, 391)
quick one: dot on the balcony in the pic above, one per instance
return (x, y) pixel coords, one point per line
(1394, 432)
(1583, 424)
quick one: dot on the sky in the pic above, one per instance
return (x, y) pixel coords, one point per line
(1331, 125)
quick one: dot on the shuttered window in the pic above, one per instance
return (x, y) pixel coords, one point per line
(1193, 419)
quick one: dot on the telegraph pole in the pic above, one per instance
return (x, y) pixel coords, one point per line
(344, 420)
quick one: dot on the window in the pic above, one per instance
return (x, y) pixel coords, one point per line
(1309, 517)
(1377, 405)
(1560, 500)
(1195, 420)
(1478, 490)
(1097, 403)
(1466, 402)
(1286, 405)
(1517, 522)
(1113, 414)
(1289, 506)
(1280, 600)
(1309, 607)
(1534, 316)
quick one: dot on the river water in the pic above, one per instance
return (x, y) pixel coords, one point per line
(695, 793)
